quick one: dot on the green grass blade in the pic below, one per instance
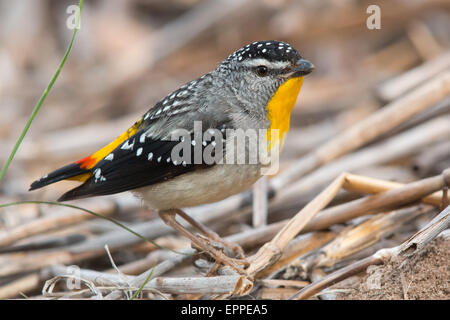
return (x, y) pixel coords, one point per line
(98, 215)
(44, 95)
(143, 285)
(27, 127)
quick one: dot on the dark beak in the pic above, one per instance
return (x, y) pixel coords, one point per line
(302, 68)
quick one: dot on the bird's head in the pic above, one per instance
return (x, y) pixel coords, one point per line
(256, 71)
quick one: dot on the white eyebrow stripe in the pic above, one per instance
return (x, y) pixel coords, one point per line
(267, 63)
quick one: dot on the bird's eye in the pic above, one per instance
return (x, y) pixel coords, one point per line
(261, 71)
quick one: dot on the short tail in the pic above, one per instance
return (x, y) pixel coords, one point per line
(72, 171)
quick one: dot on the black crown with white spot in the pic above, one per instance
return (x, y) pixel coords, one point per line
(270, 50)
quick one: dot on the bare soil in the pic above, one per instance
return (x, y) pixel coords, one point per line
(426, 276)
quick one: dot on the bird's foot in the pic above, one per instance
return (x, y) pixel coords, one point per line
(231, 254)
(233, 250)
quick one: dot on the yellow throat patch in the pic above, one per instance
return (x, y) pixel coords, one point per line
(279, 111)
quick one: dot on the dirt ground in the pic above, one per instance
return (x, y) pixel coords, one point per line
(424, 277)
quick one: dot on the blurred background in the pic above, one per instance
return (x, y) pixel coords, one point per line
(129, 54)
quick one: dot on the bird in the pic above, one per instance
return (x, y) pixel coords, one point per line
(162, 158)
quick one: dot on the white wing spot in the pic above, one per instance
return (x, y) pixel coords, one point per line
(159, 159)
(98, 175)
(150, 156)
(139, 151)
(110, 157)
(127, 145)
(142, 138)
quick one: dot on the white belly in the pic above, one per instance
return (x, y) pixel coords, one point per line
(200, 187)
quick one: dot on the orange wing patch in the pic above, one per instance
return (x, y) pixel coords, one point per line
(81, 169)
(92, 160)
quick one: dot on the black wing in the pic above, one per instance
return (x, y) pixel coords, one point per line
(139, 161)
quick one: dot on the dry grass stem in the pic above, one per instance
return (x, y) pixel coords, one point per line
(410, 247)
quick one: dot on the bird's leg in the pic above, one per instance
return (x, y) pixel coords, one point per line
(211, 234)
(168, 216)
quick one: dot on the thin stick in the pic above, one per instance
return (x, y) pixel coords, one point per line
(296, 248)
(272, 250)
(92, 213)
(336, 277)
(142, 286)
(260, 202)
(181, 285)
(353, 240)
(377, 124)
(388, 200)
(395, 147)
(417, 242)
(427, 233)
(401, 145)
(22, 284)
(370, 185)
(399, 85)
(49, 223)
(368, 129)
(204, 285)
(274, 283)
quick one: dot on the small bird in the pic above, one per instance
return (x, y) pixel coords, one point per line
(255, 88)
